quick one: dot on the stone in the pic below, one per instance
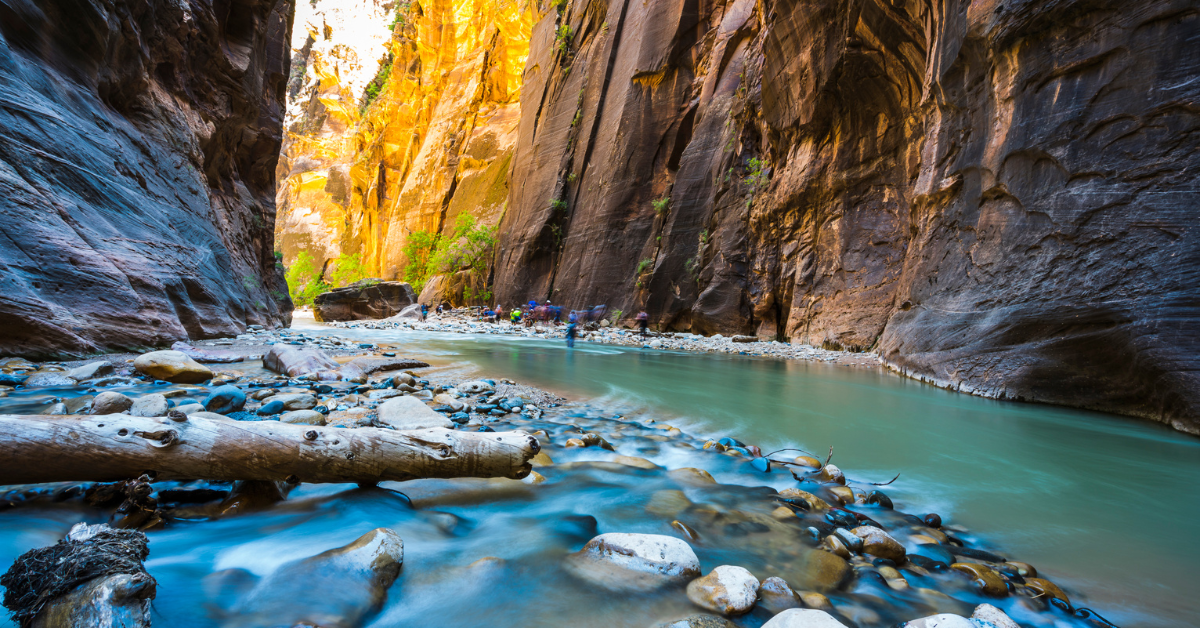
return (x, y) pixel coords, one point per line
(365, 300)
(410, 413)
(112, 601)
(270, 408)
(346, 585)
(455, 404)
(172, 366)
(993, 617)
(534, 478)
(375, 364)
(190, 408)
(986, 579)
(152, 405)
(744, 339)
(844, 494)
(109, 402)
(352, 418)
(830, 473)
(776, 596)
(91, 370)
(816, 503)
(211, 416)
(667, 503)
(294, 401)
(815, 600)
(1045, 588)
(876, 542)
(541, 460)
(475, 387)
(728, 589)
(225, 399)
(43, 379)
(691, 475)
(294, 362)
(821, 571)
(943, 620)
(634, 562)
(302, 417)
(634, 461)
(803, 618)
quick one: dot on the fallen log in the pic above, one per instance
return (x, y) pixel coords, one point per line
(106, 448)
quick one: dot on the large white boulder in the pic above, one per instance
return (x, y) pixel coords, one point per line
(410, 413)
(634, 562)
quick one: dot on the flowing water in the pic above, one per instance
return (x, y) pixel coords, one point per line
(1102, 505)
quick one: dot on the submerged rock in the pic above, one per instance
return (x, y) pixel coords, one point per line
(728, 589)
(776, 596)
(634, 562)
(116, 601)
(942, 620)
(876, 542)
(91, 370)
(339, 588)
(225, 399)
(172, 366)
(43, 379)
(993, 617)
(699, 621)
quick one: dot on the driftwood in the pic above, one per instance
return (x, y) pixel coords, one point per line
(106, 448)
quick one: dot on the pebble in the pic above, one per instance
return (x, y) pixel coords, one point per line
(993, 616)
(776, 596)
(876, 542)
(728, 589)
(986, 579)
(110, 402)
(172, 366)
(152, 405)
(303, 417)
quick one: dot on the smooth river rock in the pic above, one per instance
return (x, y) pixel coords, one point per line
(152, 405)
(172, 366)
(225, 399)
(728, 589)
(876, 542)
(803, 618)
(295, 362)
(110, 402)
(620, 561)
(114, 601)
(410, 413)
(339, 588)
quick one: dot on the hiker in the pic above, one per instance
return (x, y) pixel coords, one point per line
(515, 316)
(571, 328)
(498, 314)
(643, 321)
(424, 311)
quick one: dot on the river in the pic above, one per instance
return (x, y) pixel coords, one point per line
(1100, 504)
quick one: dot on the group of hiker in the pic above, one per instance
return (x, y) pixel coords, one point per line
(552, 314)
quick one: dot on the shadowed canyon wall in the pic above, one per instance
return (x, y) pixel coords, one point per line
(138, 143)
(996, 196)
(436, 140)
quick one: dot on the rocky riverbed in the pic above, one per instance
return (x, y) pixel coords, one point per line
(641, 522)
(462, 321)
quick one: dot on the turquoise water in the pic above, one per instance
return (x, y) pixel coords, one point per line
(1105, 505)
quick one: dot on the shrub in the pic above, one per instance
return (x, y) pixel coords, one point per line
(661, 205)
(643, 266)
(347, 269)
(304, 280)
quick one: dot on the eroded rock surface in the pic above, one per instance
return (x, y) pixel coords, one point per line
(138, 143)
(994, 196)
(375, 300)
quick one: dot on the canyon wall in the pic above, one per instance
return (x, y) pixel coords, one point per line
(138, 143)
(999, 197)
(359, 177)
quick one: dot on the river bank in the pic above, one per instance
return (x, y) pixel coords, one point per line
(600, 474)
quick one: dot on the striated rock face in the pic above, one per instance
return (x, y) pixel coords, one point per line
(995, 196)
(435, 142)
(137, 149)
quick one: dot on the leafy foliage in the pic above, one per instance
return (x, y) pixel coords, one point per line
(643, 266)
(468, 247)
(758, 177)
(347, 269)
(377, 84)
(661, 205)
(304, 280)
(562, 38)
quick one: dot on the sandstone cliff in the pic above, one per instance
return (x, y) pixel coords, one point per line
(138, 142)
(996, 196)
(358, 177)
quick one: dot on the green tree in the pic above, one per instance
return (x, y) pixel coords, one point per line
(304, 280)
(347, 269)
(417, 250)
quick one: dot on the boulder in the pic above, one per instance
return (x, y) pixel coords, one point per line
(91, 370)
(446, 399)
(152, 405)
(363, 301)
(110, 402)
(209, 356)
(303, 417)
(410, 413)
(728, 589)
(822, 571)
(634, 562)
(339, 588)
(803, 618)
(294, 362)
(225, 399)
(992, 617)
(172, 366)
(375, 364)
